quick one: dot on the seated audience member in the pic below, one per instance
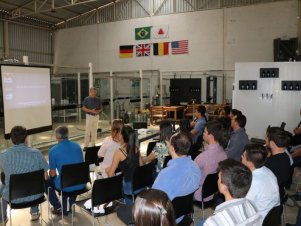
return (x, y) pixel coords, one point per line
(298, 220)
(153, 208)
(238, 138)
(264, 191)
(234, 181)
(181, 176)
(16, 160)
(234, 113)
(208, 160)
(184, 126)
(278, 162)
(198, 125)
(296, 139)
(108, 147)
(160, 151)
(126, 158)
(65, 152)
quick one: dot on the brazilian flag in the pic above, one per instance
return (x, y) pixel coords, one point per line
(142, 33)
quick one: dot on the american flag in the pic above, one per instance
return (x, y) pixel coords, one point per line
(179, 47)
(143, 50)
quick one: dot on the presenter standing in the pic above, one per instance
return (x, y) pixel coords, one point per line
(92, 106)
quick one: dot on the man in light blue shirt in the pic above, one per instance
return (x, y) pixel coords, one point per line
(20, 159)
(199, 124)
(182, 175)
(64, 153)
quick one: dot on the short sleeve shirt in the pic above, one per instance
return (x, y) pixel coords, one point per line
(200, 124)
(92, 103)
(21, 159)
(64, 153)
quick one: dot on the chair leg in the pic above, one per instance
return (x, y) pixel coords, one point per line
(10, 220)
(62, 205)
(203, 210)
(2, 212)
(72, 211)
(93, 216)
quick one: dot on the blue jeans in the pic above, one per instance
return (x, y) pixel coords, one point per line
(54, 200)
(33, 209)
(298, 217)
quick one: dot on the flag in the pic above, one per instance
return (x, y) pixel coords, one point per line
(142, 33)
(179, 47)
(143, 50)
(160, 31)
(126, 51)
(161, 49)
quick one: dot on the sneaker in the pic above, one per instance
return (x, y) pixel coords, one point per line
(56, 211)
(35, 216)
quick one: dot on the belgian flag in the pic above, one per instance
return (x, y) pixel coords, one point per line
(161, 48)
(126, 51)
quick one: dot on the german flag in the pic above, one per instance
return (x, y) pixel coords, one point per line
(161, 48)
(126, 51)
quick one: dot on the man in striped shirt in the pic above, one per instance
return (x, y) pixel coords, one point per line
(234, 181)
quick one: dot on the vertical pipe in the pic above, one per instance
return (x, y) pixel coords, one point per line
(5, 37)
(141, 90)
(299, 28)
(90, 75)
(161, 89)
(79, 98)
(111, 96)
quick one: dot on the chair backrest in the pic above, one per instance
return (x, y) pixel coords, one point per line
(166, 160)
(273, 218)
(183, 205)
(26, 184)
(75, 174)
(91, 154)
(210, 186)
(150, 147)
(143, 176)
(107, 190)
(139, 125)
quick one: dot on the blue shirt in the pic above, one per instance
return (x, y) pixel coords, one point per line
(181, 177)
(64, 153)
(200, 124)
(20, 159)
(92, 103)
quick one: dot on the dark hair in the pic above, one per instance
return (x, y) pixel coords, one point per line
(181, 143)
(153, 208)
(129, 137)
(278, 135)
(165, 130)
(241, 120)
(202, 110)
(62, 132)
(227, 110)
(216, 129)
(226, 122)
(236, 112)
(117, 125)
(257, 154)
(18, 134)
(184, 125)
(236, 176)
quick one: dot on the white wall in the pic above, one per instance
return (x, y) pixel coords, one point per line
(217, 39)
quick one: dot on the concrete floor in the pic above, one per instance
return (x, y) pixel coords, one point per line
(22, 217)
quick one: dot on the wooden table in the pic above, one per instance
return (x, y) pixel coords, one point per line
(174, 109)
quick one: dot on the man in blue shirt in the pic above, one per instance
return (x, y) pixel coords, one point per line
(182, 175)
(198, 125)
(64, 153)
(16, 160)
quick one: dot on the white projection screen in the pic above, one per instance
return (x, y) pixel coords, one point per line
(26, 98)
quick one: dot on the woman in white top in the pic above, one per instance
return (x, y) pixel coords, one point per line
(108, 147)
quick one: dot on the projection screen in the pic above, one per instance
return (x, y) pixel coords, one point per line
(26, 98)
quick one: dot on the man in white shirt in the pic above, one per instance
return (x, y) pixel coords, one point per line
(234, 181)
(264, 191)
